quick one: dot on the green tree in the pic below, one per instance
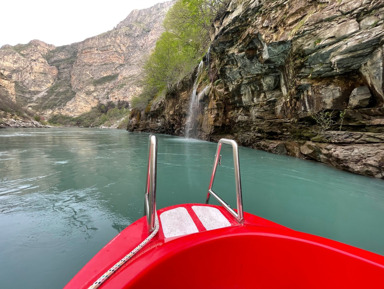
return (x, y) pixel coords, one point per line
(189, 22)
(169, 60)
(181, 46)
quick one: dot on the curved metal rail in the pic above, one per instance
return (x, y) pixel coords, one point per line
(239, 216)
(150, 192)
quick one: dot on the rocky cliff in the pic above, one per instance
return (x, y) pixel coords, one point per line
(72, 79)
(298, 77)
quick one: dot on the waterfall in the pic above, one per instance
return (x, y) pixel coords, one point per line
(208, 56)
(191, 123)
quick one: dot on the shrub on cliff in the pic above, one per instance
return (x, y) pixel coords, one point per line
(180, 47)
(103, 115)
(9, 106)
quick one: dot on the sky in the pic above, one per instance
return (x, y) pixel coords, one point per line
(61, 22)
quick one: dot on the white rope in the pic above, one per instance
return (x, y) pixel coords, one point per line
(117, 266)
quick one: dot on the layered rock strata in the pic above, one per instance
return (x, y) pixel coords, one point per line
(75, 78)
(299, 77)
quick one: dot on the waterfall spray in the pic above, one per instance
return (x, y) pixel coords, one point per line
(190, 124)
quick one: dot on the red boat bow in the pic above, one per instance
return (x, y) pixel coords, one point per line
(194, 246)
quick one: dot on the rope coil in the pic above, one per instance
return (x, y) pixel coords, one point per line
(124, 260)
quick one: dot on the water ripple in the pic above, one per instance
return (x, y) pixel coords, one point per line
(20, 186)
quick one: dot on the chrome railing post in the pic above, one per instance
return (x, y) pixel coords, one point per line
(150, 191)
(239, 216)
(215, 164)
(239, 195)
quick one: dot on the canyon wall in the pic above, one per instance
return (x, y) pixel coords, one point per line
(303, 78)
(73, 79)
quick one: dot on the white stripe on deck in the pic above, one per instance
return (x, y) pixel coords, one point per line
(177, 222)
(211, 218)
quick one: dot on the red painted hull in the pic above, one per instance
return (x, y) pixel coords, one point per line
(257, 254)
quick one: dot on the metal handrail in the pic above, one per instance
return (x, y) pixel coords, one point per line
(239, 199)
(150, 211)
(150, 191)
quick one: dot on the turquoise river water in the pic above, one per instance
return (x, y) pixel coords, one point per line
(64, 193)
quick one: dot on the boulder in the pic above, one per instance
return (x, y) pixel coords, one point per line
(360, 97)
(356, 158)
(373, 72)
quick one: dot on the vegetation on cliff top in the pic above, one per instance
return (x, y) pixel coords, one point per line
(180, 47)
(107, 115)
(11, 110)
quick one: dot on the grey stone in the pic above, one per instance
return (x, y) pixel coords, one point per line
(368, 22)
(373, 72)
(330, 95)
(270, 82)
(360, 97)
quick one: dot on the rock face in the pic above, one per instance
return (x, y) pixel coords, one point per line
(298, 77)
(27, 71)
(73, 79)
(12, 114)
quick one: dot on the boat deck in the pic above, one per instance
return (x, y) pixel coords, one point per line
(189, 252)
(186, 220)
